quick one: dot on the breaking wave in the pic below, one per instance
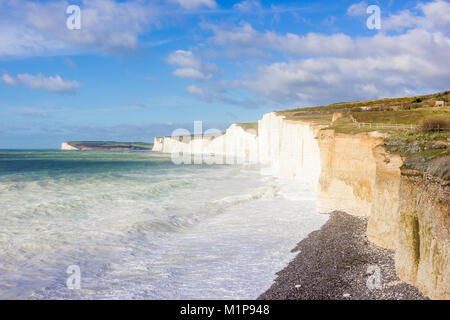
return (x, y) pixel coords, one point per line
(140, 227)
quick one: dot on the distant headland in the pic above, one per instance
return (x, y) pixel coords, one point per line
(106, 145)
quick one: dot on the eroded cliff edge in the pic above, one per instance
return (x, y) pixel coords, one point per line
(408, 212)
(408, 209)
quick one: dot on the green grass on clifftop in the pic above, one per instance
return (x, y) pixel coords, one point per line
(387, 103)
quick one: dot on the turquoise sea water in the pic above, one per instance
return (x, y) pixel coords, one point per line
(140, 227)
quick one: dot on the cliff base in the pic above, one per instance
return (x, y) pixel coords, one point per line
(334, 263)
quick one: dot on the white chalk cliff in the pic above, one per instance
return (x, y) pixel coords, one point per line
(66, 146)
(351, 173)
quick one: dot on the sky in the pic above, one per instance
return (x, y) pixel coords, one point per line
(133, 70)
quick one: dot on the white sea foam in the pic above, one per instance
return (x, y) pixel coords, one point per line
(165, 232)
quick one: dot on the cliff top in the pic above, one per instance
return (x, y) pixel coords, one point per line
(248, 126)
(386, 104)
(416, 127)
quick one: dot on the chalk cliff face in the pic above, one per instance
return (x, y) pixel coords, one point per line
(382, 226)
(423, 241)
(235, 146)
(355, 174)
(408, 212)
(289, 149)
(361, 178)
(348, 172)
(66, 146)
(285, 149)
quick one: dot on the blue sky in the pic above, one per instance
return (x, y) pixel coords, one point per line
(137, 69)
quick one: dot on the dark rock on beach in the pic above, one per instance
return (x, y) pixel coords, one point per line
(338, 262)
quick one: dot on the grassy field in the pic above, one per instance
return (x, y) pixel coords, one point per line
(387, 103)
(404, 112)
(389, 121)
(414, 116)
(315, 118)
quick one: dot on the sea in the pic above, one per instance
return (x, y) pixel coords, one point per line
(134, 225)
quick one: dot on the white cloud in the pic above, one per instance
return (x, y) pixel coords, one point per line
(29, 28)
(399, 21)
(39, 81)
(190, 66)
(193, 4)
(357, 9)
(329, 68)
(56, 83)
(184, 59)
(192, 74)
(312, 44)
(380, 66)
(235, 35)
(248, 6)
(237, 41)
(436, 17)
(199, 93)
(8, 79)
(23, 41)
(38, 28)
(244, 39)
